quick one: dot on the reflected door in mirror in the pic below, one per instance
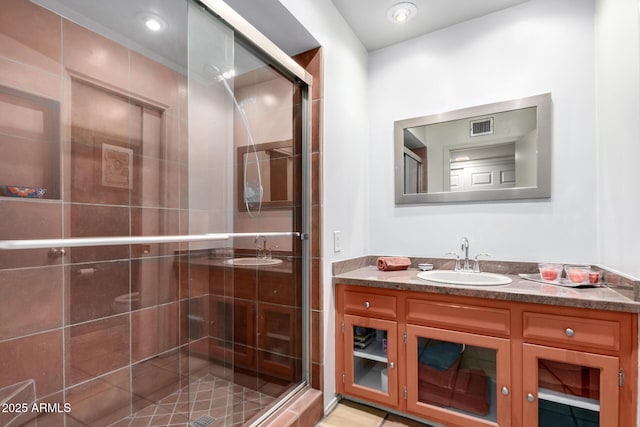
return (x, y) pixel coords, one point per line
(490, 152)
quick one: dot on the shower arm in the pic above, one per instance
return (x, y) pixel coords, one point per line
(132, 240)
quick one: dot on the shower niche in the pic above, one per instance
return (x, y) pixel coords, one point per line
(29, 145)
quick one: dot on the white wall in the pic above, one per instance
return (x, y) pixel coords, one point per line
(537, 47)
(618, 109)
(345, 129)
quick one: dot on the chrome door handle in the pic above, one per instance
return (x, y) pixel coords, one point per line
(392, 365)
(505, 391)
(531, 397)
(367, 304)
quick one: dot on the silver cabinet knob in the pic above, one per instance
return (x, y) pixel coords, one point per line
(392, 365)
(505, 391)
(367, 304)
(57, 252)
(531, 397)
(569, 332)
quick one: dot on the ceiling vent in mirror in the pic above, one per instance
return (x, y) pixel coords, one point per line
(481, 127)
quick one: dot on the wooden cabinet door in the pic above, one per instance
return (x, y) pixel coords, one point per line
(569, 387)
(233, 331)
(458, 378)
(277, 336)
(370, 359)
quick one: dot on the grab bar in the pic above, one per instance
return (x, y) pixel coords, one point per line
(131, 240)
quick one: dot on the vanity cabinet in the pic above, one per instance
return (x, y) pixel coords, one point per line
(253, 320)
(575, 369)
(371, 372)
(566, 387)
(465, 361)
(276, 340)
(369, 338)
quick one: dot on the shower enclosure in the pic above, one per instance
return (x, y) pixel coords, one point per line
(154, 205)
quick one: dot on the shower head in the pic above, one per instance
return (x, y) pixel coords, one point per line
(253, 191)
(219, 75)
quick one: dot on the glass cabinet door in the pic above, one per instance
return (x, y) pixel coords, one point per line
(568, 388)
(371, 365)
(455, 377)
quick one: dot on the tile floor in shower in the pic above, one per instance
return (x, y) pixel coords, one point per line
(207, 402)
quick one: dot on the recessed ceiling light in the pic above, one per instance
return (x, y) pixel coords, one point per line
(402, 12)
(152, 21)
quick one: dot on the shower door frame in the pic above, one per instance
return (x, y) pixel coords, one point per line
(287, 66)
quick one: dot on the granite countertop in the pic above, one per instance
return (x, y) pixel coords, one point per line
(619, 294)
(285, 267)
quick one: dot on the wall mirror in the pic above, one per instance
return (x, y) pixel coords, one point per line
(265, 175)
(499, 151)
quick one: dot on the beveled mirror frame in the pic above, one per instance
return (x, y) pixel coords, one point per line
(543, 164)
(267, 146)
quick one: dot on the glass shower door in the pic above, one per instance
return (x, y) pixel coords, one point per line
(136, 163)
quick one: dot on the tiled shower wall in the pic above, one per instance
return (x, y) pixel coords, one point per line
(312, 61)
(98, 327)
(65, 321)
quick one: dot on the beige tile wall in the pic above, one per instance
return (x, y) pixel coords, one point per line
(63, 322)
(60, 321)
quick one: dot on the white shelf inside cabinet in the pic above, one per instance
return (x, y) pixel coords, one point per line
(370, 378)
(568, 399)
(372, 352)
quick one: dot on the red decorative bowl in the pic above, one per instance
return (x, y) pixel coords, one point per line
(19, 191)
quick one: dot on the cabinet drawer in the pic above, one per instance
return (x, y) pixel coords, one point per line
(567, 330)
(276, 289)
(370, 305)
(459, 316)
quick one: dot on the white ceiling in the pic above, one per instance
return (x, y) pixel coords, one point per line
(368, 18)
(190, 40)
(117, 19)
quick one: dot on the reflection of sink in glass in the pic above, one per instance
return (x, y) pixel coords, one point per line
(463, 278)
(252, 262)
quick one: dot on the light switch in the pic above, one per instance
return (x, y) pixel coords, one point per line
(337, 241)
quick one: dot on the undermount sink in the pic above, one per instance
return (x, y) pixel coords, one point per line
(464, 278)
(253, 262)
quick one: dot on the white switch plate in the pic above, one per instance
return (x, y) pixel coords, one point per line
(337, 241)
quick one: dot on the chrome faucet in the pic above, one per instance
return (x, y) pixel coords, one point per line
(465, 247)
(262, 250)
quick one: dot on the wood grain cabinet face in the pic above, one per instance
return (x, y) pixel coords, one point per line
(485, 320)
(276, 340)
(458, 378)
(370, 305)
(571, 331)
(468, 362)
(567, 388)
(371, 359)
(233, 331)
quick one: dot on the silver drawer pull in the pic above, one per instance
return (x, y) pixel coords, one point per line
(569, 332)
(505, 391)
(366, 304)
(531, 397)
(392, 365)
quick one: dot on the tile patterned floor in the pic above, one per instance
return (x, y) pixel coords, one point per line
(207, 402)
(355, 415)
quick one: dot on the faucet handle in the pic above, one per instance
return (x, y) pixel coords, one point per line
(457, 267)
(270, 250)
(476, 262)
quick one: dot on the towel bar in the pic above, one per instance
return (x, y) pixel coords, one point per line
(131, 240)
